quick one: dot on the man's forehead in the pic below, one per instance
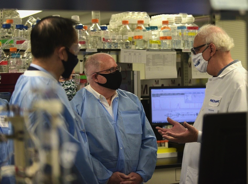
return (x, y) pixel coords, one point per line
(107, 61)
(198, 41)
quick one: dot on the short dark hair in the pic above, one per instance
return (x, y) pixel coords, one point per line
(50, 33)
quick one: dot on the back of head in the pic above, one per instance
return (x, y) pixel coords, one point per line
(214, 34)
(50, 33)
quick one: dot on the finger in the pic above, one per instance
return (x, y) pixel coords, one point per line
(126, 182)
(162, 132)
(171, 139)
(123, 176)
(188, 126)
(171, 121)
(161, 129)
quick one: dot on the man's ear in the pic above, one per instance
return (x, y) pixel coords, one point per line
(213, 49)
(62, 53)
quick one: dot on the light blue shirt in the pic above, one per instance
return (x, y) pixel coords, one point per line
(5, 128)
(125, 143)
(6, 148)
(72, 128)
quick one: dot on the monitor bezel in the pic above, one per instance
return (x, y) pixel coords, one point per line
(167, 87)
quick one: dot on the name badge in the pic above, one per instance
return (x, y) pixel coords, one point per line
(3, 123)
(214, 101)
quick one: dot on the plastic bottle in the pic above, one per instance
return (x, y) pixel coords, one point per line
(120, 41)
(18, 32)
(126, 42)
(19, 37)
(6, 36)
(154, 42)
(181, 30)
(86, 36)
(81, 38)
(106, 42)
(114, 42)
(25, 33)
(140, 35)
(4, 68)
(95, 35)
(192, 30)
(165, 35)
(10, 21)
(125, 31)
(173, 28)
(14, 61)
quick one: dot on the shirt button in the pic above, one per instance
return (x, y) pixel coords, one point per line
(121, 147)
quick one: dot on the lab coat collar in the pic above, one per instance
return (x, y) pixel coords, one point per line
(229, 69)
(98, 95)
(37, 73)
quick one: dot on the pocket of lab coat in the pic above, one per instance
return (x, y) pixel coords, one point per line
(210, 110)
(132, 122)
(192, 176)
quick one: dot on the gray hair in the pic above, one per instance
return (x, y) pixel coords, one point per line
(217, 36)
(91, 61)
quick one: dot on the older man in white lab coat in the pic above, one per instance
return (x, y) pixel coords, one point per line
(225, 92)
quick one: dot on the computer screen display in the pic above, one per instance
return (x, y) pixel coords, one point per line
(179, 103)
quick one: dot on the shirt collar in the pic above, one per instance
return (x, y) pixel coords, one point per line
(98, 95)
(235, 61)
(231, 66)
(39, 67)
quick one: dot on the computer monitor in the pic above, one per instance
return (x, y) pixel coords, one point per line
(223, 155)
(179, 103)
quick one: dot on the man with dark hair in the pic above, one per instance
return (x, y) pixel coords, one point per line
(55, 47)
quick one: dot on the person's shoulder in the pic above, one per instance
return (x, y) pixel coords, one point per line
(127, 94)
(77, 99)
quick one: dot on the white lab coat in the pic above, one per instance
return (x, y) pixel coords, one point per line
(225, 93)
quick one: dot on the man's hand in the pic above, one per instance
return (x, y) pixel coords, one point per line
(179, 133)
(117, 177)
(134, 179)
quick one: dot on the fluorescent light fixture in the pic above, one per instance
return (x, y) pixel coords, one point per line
(26, 13)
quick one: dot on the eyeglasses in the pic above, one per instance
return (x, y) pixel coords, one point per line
(75, 48)
(195, 50)
(110, 70)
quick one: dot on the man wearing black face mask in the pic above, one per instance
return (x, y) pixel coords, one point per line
(54, 45)
(119, 134)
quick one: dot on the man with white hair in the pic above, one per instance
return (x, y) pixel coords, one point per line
(225, 92)
(120, 136)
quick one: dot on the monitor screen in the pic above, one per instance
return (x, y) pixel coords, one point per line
(179, 103)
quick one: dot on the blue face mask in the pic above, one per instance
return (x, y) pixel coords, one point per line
(69, 65)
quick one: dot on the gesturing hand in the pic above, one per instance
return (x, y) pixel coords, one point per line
(179, 133)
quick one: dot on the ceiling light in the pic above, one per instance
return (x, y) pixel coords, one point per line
(26, 13)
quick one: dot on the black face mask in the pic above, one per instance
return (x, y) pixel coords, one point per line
(113, 80)
(69, 64)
